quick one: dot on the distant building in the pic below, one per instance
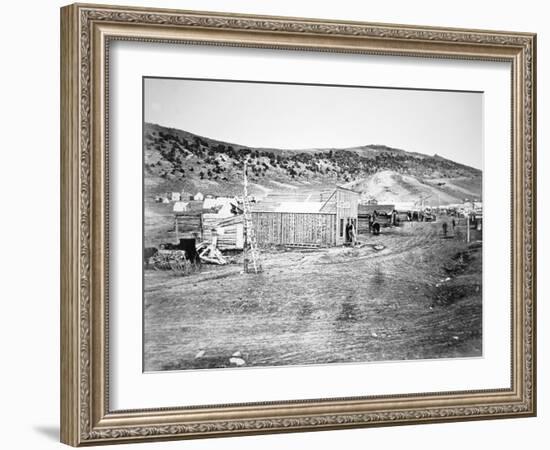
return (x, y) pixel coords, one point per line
(175, 196)
(198, 196)
(468, 206)
(478, 207)
(385, 215)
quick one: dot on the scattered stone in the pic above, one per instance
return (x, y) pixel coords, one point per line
(200, 354)
(373, 334)
(455, 338)
(237, 361)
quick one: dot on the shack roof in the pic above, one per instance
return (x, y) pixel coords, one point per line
(218, 201)
(342, 188)
(288, 207)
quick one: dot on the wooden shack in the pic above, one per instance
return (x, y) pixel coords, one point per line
(294, 228)
(222, 218)
(188, 222)
(306, 223)
(367, 213)
(187, 226)
(345, 204)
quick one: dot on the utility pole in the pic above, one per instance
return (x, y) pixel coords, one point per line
(251, 257)
(245, 233)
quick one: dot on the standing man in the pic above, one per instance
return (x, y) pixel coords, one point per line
(349, 227)
(353, 235)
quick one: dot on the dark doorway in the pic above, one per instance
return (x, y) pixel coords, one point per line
(190, 249)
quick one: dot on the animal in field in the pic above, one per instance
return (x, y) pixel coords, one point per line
(148, 253)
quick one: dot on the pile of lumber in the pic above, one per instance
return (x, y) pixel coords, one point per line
(305, 246)
(174, 260)
(209, 253)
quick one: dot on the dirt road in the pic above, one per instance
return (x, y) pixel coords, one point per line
(406, 294)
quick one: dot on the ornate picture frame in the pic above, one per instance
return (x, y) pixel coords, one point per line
(86, 34)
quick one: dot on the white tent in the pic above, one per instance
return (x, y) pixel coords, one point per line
(181, 206)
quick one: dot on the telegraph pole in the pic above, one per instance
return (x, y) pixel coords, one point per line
(249, 234)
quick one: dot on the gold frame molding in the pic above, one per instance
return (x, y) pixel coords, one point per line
(86, 31)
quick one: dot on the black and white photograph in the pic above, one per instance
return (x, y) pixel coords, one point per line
(289, 224)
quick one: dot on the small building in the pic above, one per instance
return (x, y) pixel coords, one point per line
(230, 233)
(188, 223)
(215, 219)
(368, 214)
(320, 223)
(198, 196)
(478, 207)
(467, 206)
(475, 221)
(175, 196)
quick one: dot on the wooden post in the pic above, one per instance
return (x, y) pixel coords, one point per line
(468, 228)
(245, 224)
(245, 248)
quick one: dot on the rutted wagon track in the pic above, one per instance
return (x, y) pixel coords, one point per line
(406, 301)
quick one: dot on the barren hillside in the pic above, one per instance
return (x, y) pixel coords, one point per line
(180, 160)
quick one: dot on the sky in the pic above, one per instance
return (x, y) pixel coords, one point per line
(292, 116)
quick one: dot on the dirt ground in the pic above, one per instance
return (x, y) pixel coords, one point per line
(409, 293)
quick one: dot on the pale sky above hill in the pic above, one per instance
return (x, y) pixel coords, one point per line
(290, 116)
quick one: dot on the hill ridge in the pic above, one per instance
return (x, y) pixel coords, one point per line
(180, 160)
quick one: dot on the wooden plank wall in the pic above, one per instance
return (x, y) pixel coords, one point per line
(279, 228)
(232, 237)
(363, 224)
(188, 226)
(347, 203)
